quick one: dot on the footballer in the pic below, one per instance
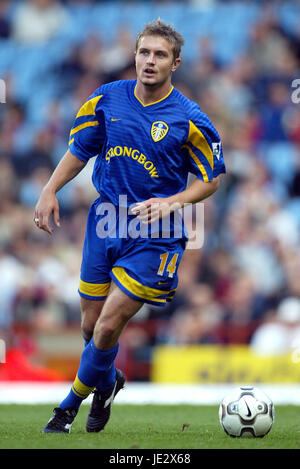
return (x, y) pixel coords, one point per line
(147, 137)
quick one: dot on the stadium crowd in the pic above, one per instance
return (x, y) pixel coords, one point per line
(52, 56)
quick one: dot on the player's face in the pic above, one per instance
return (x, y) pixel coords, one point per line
(155, 61)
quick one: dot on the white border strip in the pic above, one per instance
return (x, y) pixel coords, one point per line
(143, 393)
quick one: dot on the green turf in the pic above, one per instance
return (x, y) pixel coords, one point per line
(141, 427)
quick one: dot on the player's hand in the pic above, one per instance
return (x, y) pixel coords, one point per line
(153, 209)
(46, 206)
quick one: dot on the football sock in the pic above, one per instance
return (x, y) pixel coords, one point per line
(95, 369)
(108, 377)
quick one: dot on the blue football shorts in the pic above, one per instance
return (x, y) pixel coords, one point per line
(145, 268)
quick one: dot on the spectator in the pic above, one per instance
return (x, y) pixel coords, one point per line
(5, 24)
(280, 332)
(37, 21)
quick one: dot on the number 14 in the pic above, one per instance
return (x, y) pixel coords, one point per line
(171, 267)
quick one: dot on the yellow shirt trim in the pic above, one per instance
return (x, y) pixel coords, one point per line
(199, 141)
(198, 163)
(83, 126)
(88, 108)
(154, 102)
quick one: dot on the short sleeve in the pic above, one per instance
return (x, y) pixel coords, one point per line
(88, 132)
(204, 148)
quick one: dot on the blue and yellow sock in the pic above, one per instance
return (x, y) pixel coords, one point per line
(96, 368)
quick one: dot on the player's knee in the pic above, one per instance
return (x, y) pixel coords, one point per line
(87, 325)
(90, 312)
(104, 330)
(86, 331)
(107, 331)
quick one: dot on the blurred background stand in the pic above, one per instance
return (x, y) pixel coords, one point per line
(239, 61)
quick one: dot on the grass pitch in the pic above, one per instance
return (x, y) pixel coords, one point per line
(143, 426)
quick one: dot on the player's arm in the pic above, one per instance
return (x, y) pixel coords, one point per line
(154, 208)
(66, 170)
(195, 192)
(86, 138)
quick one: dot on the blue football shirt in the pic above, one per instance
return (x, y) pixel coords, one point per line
(142, 150)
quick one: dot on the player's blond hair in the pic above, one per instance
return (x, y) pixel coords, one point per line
(159, 28)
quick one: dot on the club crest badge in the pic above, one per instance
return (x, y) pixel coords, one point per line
(159, 130)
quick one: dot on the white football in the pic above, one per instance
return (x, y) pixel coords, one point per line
(246, 412)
